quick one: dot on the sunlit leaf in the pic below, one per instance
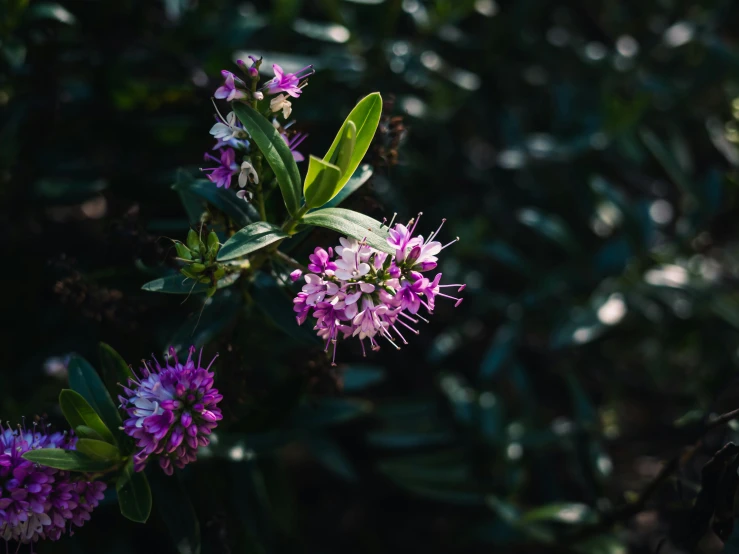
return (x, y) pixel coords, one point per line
(276, 152)
(250, 239)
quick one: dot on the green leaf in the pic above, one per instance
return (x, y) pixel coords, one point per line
(134, 494)
(352, 224)
(550, 227)
(98, 450)
(572, 513)
(360, 377)
(177, 512)
(328, 411)
(668, 162)
(242, 213)
(113, 365)
(330, 455)
(67, 460)
(321, 182)
(78, 412)
(346, 147)
(84, 379)
(275, 151)
(271, 299)
(360, 177)
(52, 10)
(365, 117)
(85, 432)
(250, 239)
(179, 284)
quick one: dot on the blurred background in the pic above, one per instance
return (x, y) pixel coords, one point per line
(586, 154)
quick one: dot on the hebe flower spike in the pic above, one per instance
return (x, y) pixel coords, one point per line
(367, 294)
(39, 502)
(172, 410)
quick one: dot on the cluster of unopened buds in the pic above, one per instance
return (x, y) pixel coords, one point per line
(38, 502)
(232, 140)
(355, 290)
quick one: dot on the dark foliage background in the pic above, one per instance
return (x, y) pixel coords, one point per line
(585, 153)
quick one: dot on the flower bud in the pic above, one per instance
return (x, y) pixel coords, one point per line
(193, 242)
(182, 251)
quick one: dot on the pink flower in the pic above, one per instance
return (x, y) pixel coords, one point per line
(288, 82)
(320, 261)
(228, 91)
(368, 294)
(300, 307)
(227, 168)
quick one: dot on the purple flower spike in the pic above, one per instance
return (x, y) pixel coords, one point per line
(228, 91)
(171, 411)
(369, 294)
(288, 82)
(38, 502)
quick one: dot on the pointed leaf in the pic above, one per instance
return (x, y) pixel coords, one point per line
(275, 151)
(345, 148)
(78, 412)
(176, 509)
(321, 182)
(241, 213)
(85, 432)
(84, 379)
(98, 450)
(250, 239)
(271, 299)
(67, 460)
(134, 494)
(366, 117)
(360, 177)
(352, 224)
(113, 365)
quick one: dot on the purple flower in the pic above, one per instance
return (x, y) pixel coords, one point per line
(227, 168)
(368, 294)
(300, 307)
(228, 91)
(409, 294)
(171, 411)
(38, 502)
(320, 261)
(293, 143)
(295, 275)
(288, 82)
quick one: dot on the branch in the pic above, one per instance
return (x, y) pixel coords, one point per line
(627, 511)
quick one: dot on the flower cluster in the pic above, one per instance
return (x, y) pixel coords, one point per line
(357, 291)
(231, 137)
(171, 411)
(38, 502)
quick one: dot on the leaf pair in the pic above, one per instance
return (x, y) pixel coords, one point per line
(101, 445)
(326, 177)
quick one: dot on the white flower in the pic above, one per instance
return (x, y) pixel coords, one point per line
(280, 102)
(317, 289)
(259, 95)
(245, 195)
(247, 172)
(226, 130)
(350, 265)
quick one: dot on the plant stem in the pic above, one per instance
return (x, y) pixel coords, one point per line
(259, 188)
